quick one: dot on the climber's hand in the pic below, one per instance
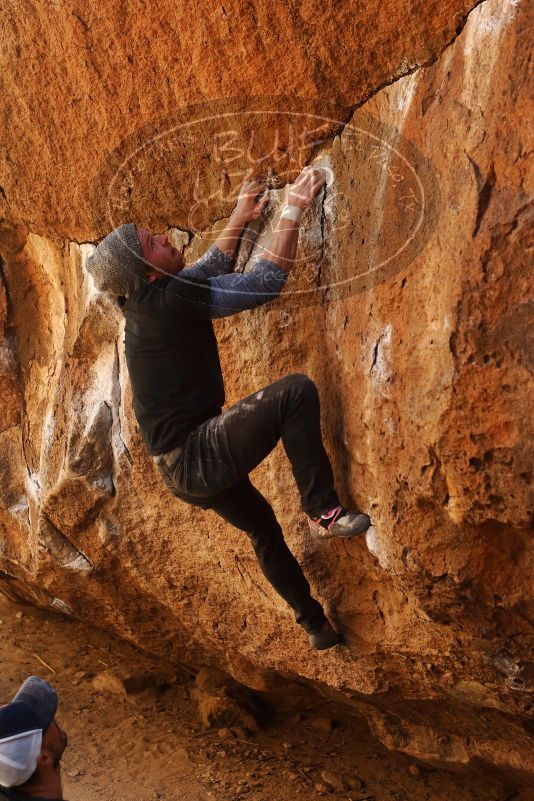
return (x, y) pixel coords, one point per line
(306, 187)
(253, 197)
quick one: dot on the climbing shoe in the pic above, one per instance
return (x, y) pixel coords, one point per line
(325, 637)
(338, 522)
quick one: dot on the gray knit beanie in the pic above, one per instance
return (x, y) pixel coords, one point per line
(117, 265)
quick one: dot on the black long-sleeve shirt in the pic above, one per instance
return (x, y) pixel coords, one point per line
(170, 345)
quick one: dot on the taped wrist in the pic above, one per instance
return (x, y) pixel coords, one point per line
(290, 212)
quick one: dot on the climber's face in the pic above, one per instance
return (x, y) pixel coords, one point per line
(160, 253)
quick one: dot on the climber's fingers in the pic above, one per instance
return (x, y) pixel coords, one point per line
(309, 176)
(319, 181)
(248, 181)
(264, 198)
(252, 188)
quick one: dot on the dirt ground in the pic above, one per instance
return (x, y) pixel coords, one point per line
(150, 746)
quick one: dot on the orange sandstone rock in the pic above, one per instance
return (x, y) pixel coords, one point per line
(410, 305)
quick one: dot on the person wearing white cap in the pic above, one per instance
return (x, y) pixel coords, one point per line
(31, 744)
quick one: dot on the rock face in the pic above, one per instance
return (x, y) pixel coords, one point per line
(410, 305)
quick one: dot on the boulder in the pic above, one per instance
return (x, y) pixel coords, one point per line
(410, 305)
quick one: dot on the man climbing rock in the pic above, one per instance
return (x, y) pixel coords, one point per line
(204, 454)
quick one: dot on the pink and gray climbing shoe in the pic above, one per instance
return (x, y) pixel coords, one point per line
(338, 522)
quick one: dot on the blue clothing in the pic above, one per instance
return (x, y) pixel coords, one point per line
(12, 794)
(234, 292)
(170, 345)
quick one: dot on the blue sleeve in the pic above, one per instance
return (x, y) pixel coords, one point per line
(194, 298)
(213, 262)
(236, 292)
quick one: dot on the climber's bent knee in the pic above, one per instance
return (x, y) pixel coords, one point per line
(302, 383)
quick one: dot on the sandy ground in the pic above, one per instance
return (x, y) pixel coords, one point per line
(150, 746)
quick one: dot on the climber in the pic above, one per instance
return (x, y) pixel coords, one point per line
(31, 744)
(203, 454)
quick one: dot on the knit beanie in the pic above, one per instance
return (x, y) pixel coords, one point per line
(117, 265)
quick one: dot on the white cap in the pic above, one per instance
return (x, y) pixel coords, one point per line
(22, 724)
(18, 757)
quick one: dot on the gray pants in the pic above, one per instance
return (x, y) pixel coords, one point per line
(211, 471)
